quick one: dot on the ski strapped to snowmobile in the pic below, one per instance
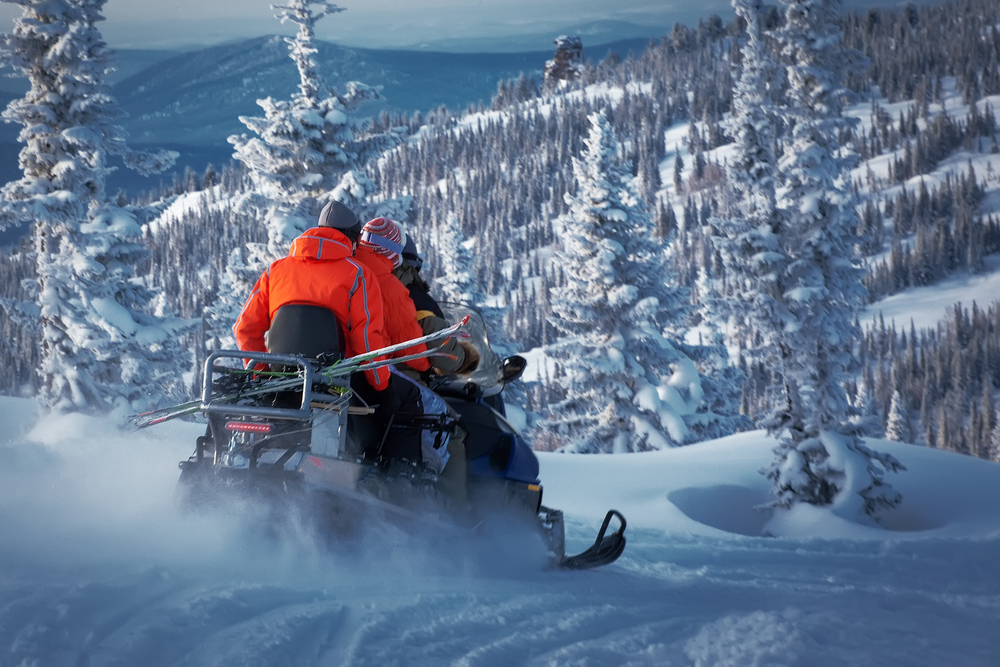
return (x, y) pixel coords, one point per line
(299, 430)
(247, 382)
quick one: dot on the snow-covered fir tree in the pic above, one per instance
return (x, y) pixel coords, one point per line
(103, 343)
(993, 446)
(231, 296)
(748, 307)
(566, 65)
(865, 419)
(627, 387)
(821, 287)
(312, 145)
(897, 425)
(303, 151)
(454, 278)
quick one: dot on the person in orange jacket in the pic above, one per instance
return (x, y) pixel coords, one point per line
(320, 270)
(379, 248)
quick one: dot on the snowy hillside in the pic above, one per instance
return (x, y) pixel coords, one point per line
(925, 305)
(98, 567)
(596, 218)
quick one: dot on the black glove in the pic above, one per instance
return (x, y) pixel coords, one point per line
(387, 404)
(428, 376)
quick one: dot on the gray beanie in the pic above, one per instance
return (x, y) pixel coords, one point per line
(338, 216)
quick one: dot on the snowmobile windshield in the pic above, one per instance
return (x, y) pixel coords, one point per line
(488, 375)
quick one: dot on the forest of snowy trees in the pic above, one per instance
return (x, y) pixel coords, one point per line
(601, 217)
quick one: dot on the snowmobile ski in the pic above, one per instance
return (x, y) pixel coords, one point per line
(606, 548)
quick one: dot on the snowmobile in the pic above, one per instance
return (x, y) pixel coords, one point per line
(297, 430)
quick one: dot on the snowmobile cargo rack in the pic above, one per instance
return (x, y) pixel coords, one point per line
(212, 405)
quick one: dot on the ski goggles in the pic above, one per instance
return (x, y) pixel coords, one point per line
(382, 242)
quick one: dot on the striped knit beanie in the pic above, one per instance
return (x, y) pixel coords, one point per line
(385, 237)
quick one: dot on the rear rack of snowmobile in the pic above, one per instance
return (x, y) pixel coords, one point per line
(299, 394)
(210, 404)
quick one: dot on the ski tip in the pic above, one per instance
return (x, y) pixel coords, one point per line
(606, 548)
(133, 423)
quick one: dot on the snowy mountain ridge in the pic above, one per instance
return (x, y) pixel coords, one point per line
(653, 117)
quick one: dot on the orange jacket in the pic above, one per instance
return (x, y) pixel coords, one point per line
(318, 271)
(400, 314)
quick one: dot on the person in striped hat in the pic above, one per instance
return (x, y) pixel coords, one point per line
(380, 247)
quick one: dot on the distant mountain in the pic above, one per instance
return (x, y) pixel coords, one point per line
(191, 102)
(127, 63)
(197, 97)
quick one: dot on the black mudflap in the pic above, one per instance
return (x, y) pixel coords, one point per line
(606, 548)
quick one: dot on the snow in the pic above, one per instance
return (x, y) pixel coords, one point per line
(926, 306)
(181, 206)
(115, 314)
(100, 567)
(539, 364)
(594, 93)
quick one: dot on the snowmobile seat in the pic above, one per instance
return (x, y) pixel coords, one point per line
(307, 330)
(310, 331)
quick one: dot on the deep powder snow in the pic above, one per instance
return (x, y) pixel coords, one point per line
(99, 567)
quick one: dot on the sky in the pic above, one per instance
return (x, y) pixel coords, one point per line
(181, 24)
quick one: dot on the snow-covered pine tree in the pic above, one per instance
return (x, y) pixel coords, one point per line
(234, 285)
(455, 281)
(566, 65)
(993, 453)
(102, 346)
(866, 419)
(897, 426)
(454, 278)
(749, 308)
(627, 387)
(821, 287)
(304, 150)
(310, 146)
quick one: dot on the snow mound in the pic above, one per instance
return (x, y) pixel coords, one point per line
(714, 487)
(726, 507)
